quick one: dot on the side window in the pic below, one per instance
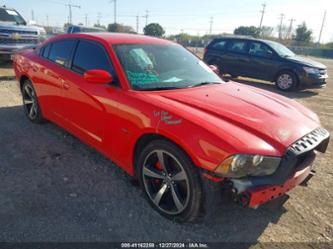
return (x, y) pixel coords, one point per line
(219, 45)
(90, 56)
(61, 52)
(46, 51)
(237, 46)
(260, 49)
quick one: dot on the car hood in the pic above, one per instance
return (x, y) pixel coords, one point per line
(306, 62)
(14, 27)
(275, 119)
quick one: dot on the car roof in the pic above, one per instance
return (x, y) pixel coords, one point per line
(116, 38)
(235, 37)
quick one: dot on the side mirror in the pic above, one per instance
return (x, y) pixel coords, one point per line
(215, 69)
(97, 77)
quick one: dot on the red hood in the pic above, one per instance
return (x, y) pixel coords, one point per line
(277, 120)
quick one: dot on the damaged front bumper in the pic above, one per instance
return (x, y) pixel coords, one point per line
(296, 167)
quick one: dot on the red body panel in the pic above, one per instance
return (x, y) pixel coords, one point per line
(263, 195)
(210, 122)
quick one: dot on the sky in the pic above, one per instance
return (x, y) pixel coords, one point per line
(190, 16)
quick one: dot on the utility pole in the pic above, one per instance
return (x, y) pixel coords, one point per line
(32, 15)
(137, 24)
(262, 15)
(322, 26)
(146, 16)
(86, 19)
(99, 16)
(280, 28)
(211, 25)
(70, 6)
(47, 20)
(114, 9)
(290, 27)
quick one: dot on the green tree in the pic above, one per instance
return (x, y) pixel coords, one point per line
(120, 28)
(154, 29)
(247, 30)
(303, 34)
(329, 45)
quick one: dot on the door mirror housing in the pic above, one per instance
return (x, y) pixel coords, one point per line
(97, 77)
(215, 69)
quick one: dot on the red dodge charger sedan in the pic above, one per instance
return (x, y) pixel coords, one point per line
(169, 120)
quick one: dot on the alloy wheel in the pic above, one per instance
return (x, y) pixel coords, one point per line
(30, 102)
(166, 182)
(285, 81)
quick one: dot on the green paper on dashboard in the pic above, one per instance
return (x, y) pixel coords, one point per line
(142, 78)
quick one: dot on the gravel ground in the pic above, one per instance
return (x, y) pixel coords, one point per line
(55, 188)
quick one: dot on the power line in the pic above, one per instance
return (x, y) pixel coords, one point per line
(322, 26)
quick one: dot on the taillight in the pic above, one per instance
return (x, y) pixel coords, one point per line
(205, 50)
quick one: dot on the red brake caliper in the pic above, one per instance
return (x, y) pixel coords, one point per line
(159, 167)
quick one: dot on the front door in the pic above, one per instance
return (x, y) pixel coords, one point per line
(83, 105)
(262, 64)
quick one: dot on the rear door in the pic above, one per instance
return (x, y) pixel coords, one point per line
(236, 58)
(55, 59)
(262, 61)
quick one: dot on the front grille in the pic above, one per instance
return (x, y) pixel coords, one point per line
(7, 41)
(23, 32)
(316, 139)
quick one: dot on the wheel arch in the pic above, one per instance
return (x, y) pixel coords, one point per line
(290, 70)
(23, 78)
(147, 138)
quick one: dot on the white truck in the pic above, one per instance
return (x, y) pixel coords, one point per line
(15, 34)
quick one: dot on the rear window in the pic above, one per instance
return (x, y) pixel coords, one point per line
(219, 45)
(61, 52)
(237, 46)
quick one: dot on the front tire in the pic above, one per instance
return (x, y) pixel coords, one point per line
(286, 81)
(30, 103)
(170, 181)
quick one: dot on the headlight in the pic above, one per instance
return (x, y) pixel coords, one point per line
(243, 165)
(311, 70)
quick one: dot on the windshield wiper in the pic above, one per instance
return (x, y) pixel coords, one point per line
(159, 88)
(204, 83)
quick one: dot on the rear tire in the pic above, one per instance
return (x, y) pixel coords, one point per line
(286, 81)
(170, 181)
(30, 103)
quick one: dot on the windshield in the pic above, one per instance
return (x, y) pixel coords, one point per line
(158, 67)
(7, 15)
(282, 50)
